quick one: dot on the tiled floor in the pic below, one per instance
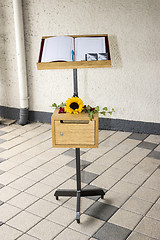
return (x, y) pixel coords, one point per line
(126, 165)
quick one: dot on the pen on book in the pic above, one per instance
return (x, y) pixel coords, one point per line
(72, 55)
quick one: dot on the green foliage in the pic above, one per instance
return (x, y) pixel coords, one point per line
(90, 115)
(54, 105)
(91, 110)
(62, 105)
(103, 113)
(88, 109)
(105, 109)
(96, 109)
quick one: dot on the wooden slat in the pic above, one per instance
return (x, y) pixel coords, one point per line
(75, 36)
(75, 133)
(75, 64)
(68, 116)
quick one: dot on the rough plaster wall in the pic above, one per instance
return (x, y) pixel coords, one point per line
(131, 86)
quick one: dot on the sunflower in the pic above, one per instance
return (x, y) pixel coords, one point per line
(74, 105)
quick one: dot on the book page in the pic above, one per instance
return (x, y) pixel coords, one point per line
(58, 49)
(84, 45)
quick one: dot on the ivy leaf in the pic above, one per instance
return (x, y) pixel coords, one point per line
(88, 107)
(110, 113)
(90, 115)
(113, 110)
(54, 105)
(103, 113)
(97, 109)
(84, 110)
(62, 105)
(105, 108)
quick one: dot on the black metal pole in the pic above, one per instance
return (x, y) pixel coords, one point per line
(78, 171)
(75, 84)
(78, 176)
(78, 192)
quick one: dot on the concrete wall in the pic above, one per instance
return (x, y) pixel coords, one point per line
(131, 86)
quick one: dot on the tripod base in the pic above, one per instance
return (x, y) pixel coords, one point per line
(79, 194)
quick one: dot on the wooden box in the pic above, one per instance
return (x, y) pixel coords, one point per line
(74, 130)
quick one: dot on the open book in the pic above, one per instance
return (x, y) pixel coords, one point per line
(65, 48)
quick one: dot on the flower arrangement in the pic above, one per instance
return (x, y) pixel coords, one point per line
(75, 105)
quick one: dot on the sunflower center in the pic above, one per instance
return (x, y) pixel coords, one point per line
(74, 105)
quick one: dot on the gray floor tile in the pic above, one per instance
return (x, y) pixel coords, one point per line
(26, 237)
(153, 138)
(149, 227)
(2, 150)
(138, 136)
(137, 205)
(147, 145)
(113, 198)
(125, 219)
(154, 212)
(7, 212)
(120, 222)
(138, 236)
(89, 225)
(86, 177)
(45, 230)
(23, 221)
(71, 152)
(112, 232)
(1, 185)
(83, 163)
(1, 203)
(2, 160)
(1, 171)
(69, 234)
(9, 233)
(2, 140)
(101, 211)
(157, 148)
(2, 125)
(2, 133)
(146, 194)
(154, 154)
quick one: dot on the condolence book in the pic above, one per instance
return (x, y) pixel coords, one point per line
(66, 48)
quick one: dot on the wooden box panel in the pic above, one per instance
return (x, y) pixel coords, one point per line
(75, 131)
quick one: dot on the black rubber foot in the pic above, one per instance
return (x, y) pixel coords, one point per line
(102, 196)
(56, 197)
(78, 220)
